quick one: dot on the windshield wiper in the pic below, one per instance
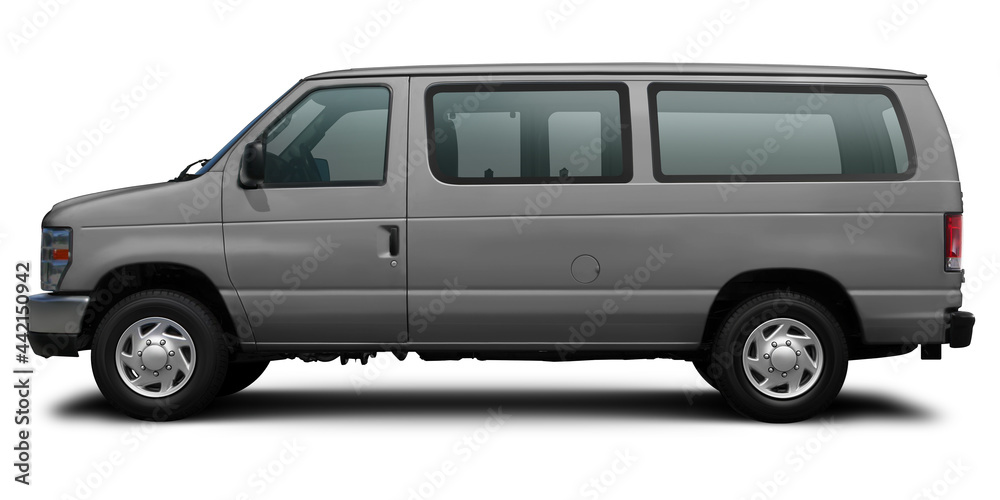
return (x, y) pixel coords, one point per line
(184, 175)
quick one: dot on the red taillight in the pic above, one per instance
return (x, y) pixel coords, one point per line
(60, 254)
(953, 242)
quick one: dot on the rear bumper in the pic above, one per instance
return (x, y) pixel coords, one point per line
(54, 323)
(959, 333)
(892, 316)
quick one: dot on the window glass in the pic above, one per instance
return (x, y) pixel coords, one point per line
(488, 142)
(575, 134)
(692, 142)
(760, 133)
(896, 137)
(529, 133)
(334, 136)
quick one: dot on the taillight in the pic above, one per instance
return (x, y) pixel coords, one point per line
(953, 242)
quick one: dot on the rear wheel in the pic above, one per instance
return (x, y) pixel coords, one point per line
(241, 375)
(159, 355)
(780, 357)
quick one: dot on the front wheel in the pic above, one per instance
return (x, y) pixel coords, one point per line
(780, 357)
(159, 355)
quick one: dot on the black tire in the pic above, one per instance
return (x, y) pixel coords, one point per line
(704, 368)
(727, 357)
(207, 373)
(240, 376)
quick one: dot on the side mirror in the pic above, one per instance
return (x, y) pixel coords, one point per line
(252, 165)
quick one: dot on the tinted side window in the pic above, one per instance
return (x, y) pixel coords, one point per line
(526, 133)
(760, 132)
(334, 136)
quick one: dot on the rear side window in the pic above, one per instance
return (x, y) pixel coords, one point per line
(529, 133)
(710, 132)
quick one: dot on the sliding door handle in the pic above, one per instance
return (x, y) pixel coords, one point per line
(393, 241)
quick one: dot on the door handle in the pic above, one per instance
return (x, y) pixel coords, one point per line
(393, 241)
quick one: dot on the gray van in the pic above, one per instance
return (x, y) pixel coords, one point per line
(766, 223)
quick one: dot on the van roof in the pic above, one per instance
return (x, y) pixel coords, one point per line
(623, 68)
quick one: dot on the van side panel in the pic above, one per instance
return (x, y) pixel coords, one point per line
(915, 313)
(168, 223)
(511, 247)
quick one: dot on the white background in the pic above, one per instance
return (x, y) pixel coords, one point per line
(898, 428)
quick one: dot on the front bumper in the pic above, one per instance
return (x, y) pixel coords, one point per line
(54, 323)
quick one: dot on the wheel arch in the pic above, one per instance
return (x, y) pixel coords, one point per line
(818, 285)
(127, 279)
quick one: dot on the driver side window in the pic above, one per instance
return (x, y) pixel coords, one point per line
(334, 136)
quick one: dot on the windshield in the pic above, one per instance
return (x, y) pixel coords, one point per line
(218, 156)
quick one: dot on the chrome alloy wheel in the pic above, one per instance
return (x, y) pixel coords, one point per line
(782, 358)
(155, 357)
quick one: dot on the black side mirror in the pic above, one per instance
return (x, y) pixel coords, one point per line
(252, 165)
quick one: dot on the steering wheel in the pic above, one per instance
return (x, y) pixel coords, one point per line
(309, 167)
(276, 169)
(300, 168)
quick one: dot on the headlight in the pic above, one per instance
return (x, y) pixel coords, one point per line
(56, 245)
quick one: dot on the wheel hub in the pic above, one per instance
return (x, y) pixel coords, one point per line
(783, 358)
(154, 357)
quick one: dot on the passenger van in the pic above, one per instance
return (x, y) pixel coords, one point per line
(766, 223)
